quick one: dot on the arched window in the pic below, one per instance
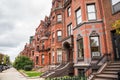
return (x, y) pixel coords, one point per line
(94, 44)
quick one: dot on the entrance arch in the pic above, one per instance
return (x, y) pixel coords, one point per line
(68, 51)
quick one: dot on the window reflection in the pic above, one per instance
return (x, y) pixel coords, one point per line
(95, 46)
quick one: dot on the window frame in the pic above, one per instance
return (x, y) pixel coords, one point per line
(42, 59)
(95, 12)
(69, 31)
(53, 37)
(37, 60)
(77, 17)
(94, 34)
(59, 37)
(113, 7)
(38, 48)
(59, 56)
(69, 11)
(53, 56)
(79, 37)
(59, 19)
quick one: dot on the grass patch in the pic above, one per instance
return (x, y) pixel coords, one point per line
(31, 73)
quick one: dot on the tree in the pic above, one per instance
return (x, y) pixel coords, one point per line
(1, 58)
(6, 60)
(22, 61)
(117, 26)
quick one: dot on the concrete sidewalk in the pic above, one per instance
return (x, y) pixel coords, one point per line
(13, 74)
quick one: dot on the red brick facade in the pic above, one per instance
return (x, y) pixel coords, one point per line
(70, 34)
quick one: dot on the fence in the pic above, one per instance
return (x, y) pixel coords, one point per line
(68, 78)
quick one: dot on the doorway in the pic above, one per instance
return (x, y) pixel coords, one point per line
(116, 45)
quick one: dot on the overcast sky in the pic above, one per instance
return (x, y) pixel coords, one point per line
(18, 21)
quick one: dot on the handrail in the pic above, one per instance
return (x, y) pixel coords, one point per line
(105, 55)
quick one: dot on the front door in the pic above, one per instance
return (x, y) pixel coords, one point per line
(116, 45)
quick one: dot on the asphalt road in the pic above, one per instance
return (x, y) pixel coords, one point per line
(13, 74)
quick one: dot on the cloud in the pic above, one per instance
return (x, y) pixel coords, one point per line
(18, 21)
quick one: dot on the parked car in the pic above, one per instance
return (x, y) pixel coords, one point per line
(1, 68)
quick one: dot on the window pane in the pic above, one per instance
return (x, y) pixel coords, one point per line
(91, 8)
(91, 12)
(78, 16)
(59, 17)
(115, 1)
(94, 41)
(91, 16)
(79, 20)
(59, 33)
(69, 11)
(43, 57)
(69, 30)
(59, 55)
(53, 54)
(80, 48)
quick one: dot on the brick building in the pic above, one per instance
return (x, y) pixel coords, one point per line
(77, 31)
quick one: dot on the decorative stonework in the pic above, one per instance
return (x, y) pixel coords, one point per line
(79, 36)
(94, 33)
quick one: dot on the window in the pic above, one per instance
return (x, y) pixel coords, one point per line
(43, 58)
(38, 48)
(59, 35)
(115, 6)
(38, 38)
(69, 29)
(94, 42)
(78, 16)
(69, 11)
(59, 55)
(91, 12)
(53, 54)
(32, 53)
(53, 37)
(80, 48)
(115, 2)
(43, 45)
(59, 18)
(37, 59)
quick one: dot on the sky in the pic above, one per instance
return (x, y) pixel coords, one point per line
(18, 21)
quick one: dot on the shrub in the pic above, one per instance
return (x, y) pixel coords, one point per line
(28, 67)
(21, 62)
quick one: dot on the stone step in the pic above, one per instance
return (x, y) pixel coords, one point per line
(113, 66)
(112, 69)
(115, 63)
(107, 76)
(109, 72)
(102, 79)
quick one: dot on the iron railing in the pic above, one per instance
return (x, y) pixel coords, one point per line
(68, 78)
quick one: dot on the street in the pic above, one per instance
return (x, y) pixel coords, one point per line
(13, 74)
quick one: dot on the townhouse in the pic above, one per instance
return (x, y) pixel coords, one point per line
(79, 32)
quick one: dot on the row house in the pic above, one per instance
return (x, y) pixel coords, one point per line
(77, 31)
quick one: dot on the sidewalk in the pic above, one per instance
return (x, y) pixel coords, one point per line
(13, 74)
